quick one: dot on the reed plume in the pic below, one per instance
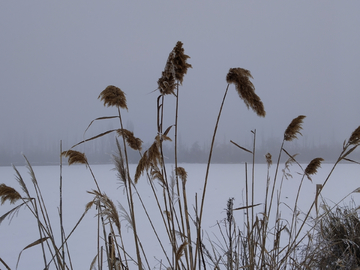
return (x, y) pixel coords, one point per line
(313, 166)
(75, 157)
(120, 165)
(142, 166)
(132, 141)
(109, 211)
(180, 62)
(246, 90)
(355, 136)
(8, 194)
(175, 69)
(268, 159)
(180, 171)
(113, 96)
(294, 128)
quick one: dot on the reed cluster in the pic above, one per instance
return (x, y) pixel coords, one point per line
(261, 240)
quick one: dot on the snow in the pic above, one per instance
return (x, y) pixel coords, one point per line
(225, 181)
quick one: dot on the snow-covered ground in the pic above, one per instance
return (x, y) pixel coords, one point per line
(225, 181)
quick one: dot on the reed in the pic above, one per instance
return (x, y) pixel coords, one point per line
(262, 239)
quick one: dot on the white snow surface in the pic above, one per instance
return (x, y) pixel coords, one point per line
(225, 181)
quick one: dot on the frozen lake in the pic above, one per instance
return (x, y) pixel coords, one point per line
(225, 181)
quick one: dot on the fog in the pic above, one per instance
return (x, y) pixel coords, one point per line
(56, 58)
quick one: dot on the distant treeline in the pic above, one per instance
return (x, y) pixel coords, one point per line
(101, 151)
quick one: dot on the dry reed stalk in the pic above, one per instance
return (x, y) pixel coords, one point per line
(352, 142)
(44, 213)
(311, 169)
(119, 101)
(290, 134)
(246, 90)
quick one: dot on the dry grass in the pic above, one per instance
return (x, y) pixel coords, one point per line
(261, 240)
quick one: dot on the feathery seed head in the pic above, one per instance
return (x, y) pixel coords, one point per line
(179, 61)
(167, 83)
(180, 171)
(355, 136)
(175, 69)
(75, 157)
(268, 159)
(294, 128)
(142, 166)
(8, 194)
(133, 142)
(313, 166)
(113, 96)
(246, 90)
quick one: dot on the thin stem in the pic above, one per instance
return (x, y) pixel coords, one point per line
(207, 170)
(61, 210)
(131, 198)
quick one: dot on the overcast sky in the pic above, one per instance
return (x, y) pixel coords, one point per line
(57, 56)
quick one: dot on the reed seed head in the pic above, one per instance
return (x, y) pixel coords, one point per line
(246, 90)
(113, 96)
(8, 194)
(180, 171)
(180, 251)
(142, 166)
(175, 69)
(313, 166)
(355, 136)
(75, 157)
(179, 61)
(132, 141)
(294, 128)
(268, 159)
(167, 83)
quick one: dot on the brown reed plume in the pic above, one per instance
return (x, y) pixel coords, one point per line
(246, 90)
(355, 136)
(181, 173)
(109, 211)
(133, 142)
(180, 62)
(75, 157)
(313, 166)
(268, 159)
(8, 194)
(113, 96)
(294, 128)
(175, 69)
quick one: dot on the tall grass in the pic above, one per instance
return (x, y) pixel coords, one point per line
(263, 239)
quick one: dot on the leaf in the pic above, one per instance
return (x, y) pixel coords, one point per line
(93, 138)
(241, 147)
(92, 265)
(100, 118)
(348, 152)
(167, 130)
(7, 267)
(246, 207)
(10, 212)
(350, 160)
(37, 242)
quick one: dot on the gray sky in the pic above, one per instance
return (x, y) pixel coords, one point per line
(56, 57)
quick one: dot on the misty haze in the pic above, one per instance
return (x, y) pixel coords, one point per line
(56, 58)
